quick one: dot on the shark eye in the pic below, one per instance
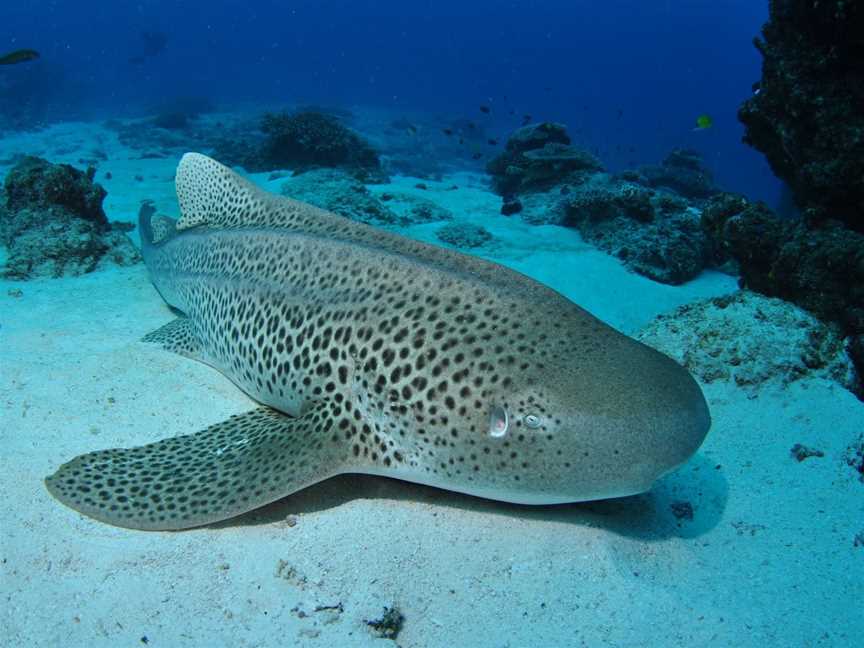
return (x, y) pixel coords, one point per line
(532, 421)
(499, 421)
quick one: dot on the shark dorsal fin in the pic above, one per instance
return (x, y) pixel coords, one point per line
(211, 194)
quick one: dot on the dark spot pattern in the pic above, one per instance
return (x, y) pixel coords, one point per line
(178, 336)
(229, 468)
(392, 352)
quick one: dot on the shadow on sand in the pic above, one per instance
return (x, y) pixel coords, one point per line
(657, 515)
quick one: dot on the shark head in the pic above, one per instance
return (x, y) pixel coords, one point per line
(593, 434)
(564, 408)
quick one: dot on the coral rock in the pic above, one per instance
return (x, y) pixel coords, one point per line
(751, 340)
(535, 136)
(52, 222)
(538, 157)
(682, 171)
(308, 140)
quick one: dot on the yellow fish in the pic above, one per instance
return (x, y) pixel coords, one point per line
(704, 122)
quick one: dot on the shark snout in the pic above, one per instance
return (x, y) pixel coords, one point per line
(646, 417)
(668, 421)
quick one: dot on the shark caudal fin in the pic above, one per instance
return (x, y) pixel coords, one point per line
(227, 469)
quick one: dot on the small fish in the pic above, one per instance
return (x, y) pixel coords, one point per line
(412, 129)
(472, 125)
(485, 109)
(447, 131)
(620, 113)
(19, 56)
(526, 119)
(493, 142)
(703, 122)
(461, 141)
(477, 156)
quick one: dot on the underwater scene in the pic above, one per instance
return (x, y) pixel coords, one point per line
(486, 324)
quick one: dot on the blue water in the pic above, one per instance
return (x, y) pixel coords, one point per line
(755, 541)
(628, 77)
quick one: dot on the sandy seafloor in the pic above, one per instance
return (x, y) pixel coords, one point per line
(767, 560)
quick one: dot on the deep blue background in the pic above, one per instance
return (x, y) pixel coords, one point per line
(622, 74)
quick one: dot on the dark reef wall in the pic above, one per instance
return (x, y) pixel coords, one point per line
(820, 269)
(807, 116)
(807, 112)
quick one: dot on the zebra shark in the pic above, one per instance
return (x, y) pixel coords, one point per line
(372, 353)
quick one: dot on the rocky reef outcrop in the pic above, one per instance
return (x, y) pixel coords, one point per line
(807, 112)
(52, 223)
(806, 116)
(751, 340)
(653, 233)
(820, 269)
(302, 141)
(683, 171)
(643, 217)
(536, 157)
(338, 191)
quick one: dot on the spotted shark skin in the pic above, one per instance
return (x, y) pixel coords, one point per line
(372, 353)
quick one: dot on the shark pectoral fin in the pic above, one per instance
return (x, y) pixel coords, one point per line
(178, 336)
(227, 469)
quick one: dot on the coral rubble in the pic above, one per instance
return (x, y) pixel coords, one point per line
(463, 235)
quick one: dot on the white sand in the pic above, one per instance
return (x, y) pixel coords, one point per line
(768, 559)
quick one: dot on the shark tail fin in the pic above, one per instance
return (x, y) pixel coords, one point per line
(227, 469)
